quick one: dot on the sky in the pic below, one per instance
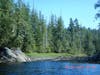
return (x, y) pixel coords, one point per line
(83, 10)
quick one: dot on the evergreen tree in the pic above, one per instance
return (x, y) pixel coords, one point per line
(23, 37)
(59, 35)
(88, 43)
(41, 33)
(78, 36)
(72, 33)
(51, 34)
(34, 23)
(6, 22)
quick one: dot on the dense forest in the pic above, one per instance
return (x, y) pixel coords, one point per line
(29, 30)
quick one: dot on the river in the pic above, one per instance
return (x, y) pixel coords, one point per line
(50, 68)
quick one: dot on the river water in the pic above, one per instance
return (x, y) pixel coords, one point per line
(50, 68)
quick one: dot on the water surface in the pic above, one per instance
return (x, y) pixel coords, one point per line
(50, 68)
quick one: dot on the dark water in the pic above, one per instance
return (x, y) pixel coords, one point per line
(50, 68)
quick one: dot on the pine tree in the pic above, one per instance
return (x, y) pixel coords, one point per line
(89, 47)
(71, 30)
(59, 35)
(6, 22)
(51, 34)
(78, 36)
(41, 33)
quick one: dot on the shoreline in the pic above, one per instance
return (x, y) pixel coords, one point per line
(54, 56)
(59, 58)
(72, 59)
(64, 57)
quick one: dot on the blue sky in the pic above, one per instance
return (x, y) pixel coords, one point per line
(83, 10)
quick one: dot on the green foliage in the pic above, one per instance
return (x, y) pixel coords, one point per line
(28, 29)
(6, 21)
(88, 44)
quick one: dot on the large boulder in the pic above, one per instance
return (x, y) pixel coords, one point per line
(20, 56)
(8, 55)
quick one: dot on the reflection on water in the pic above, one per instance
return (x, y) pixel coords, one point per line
(49, 68)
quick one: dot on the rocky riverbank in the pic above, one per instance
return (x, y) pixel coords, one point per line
(16, 55)
(91, 59)
(11, 56)
(67, 58)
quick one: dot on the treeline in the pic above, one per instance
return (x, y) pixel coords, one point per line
(27, 29)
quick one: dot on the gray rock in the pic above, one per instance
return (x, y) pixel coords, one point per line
(8, 55)
(9, 52)
(21, 56)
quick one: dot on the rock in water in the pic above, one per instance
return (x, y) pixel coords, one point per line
(8, 55)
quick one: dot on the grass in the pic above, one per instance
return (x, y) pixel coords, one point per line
(53, 55)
